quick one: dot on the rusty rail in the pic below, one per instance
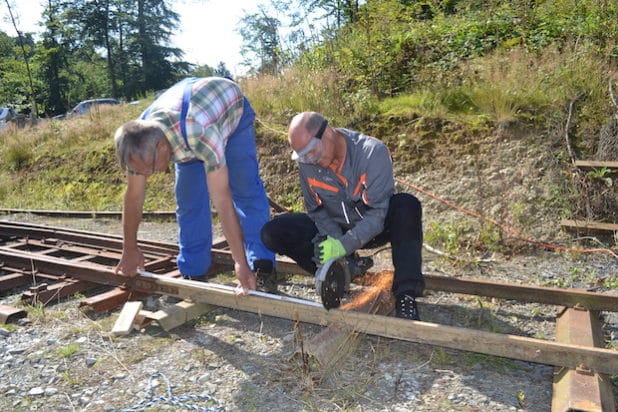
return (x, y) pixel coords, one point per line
(54, 263)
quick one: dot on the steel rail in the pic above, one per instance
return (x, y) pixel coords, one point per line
(569, 297)
(108, 241)
(94, 214)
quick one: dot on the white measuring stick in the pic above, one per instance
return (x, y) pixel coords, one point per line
(225, 288)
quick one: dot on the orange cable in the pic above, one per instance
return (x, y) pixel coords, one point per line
(505, 228)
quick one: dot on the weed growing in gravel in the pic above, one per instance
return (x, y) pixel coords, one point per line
(496, 363)
(521, 399)
(69, 350)
(201, 355)
(611, 282)
(36, 312)
(441, 357)
(485, 318)
(446, 236)
(70, 378)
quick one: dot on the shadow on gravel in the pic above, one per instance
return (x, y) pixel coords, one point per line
(249, 361)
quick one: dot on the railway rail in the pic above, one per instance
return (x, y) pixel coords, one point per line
(50, 263)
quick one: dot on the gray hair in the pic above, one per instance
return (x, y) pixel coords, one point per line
(314, 122)
(137, 139)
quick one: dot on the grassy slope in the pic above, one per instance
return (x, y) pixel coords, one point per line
(70, 164)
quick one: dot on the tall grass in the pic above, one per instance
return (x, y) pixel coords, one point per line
(70, 164)
(515, 84)
(299, 89)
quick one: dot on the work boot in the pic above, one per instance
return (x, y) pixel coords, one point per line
(265, 275)
(359, 265)
(405, 307)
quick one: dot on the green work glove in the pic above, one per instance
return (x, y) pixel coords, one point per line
(329, 249)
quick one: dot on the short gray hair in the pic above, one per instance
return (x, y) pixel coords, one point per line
(314, 122)
(136, 138)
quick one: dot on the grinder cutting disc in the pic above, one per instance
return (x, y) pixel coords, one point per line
(330, 283)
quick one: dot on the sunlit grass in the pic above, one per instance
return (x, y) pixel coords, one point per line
(511, 85)
(278, 99)
(70, 164)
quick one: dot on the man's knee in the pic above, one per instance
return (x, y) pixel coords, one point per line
(268, 235)
(405, 205)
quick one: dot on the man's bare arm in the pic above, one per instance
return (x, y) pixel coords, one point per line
(221, 195)
(132, 258)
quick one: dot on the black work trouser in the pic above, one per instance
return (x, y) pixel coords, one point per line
(291, 235)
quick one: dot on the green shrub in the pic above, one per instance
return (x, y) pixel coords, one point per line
(17, 156)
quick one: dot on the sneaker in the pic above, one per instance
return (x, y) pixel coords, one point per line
(265, 275)
(406, 307)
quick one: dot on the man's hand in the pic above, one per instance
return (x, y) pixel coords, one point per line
(329, 249)
(130, 262)
(246, 278)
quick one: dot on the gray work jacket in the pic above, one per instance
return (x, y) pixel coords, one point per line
(351, 206)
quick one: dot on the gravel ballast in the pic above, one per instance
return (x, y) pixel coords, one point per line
(60, 358)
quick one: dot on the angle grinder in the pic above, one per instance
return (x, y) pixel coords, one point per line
(332, 281)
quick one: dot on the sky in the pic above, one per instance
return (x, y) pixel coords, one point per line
(207, 30)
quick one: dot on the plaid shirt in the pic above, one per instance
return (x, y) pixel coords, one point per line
(215, 109)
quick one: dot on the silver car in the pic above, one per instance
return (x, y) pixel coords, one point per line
(6, 115)
(87, 105)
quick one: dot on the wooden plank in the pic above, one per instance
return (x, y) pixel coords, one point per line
(510, 346)
(124, 323)
(579, 389)
(179, 313)
(598, 164)
(589, 226)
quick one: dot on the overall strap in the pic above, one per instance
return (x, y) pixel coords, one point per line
(186, 98)
(146, 113)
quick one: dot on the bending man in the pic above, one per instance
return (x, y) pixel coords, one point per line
(204, 126)
(349, 194)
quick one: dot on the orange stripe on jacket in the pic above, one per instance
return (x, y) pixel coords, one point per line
(316, 183)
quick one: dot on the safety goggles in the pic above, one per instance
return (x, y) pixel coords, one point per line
(312, 152)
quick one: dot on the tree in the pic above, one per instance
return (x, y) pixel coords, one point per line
(25, 54)
(344, 11)
(260, 33)
(53, 56)
(154, 24)
(202, 71)
(222, 71)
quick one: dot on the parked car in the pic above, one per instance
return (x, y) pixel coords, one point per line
(6, 115)
(87, 105)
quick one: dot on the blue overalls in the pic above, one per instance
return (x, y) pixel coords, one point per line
(193, 201)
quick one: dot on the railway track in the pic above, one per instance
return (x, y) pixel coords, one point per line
(48, 264)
